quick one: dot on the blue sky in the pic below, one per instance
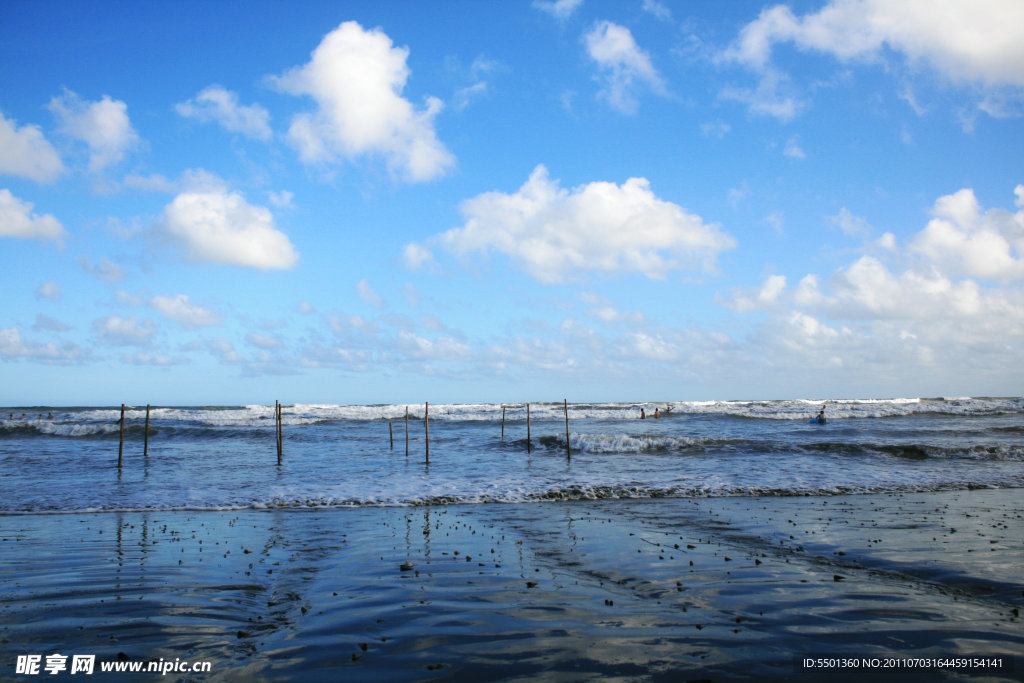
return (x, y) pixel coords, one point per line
(480, 201)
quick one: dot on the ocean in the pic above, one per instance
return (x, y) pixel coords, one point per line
(225, 457)
(723, 540)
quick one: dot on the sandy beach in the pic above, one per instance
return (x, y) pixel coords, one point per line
(633, 590)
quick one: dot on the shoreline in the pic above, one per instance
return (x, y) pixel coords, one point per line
(642, 589)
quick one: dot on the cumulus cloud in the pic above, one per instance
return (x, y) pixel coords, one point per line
(220, 105)
(962, 239)
(356, 78)
(477, 76)
(950, 296)
(147, 359)
(13, 346)
(26, 152)
(103, 126)
(48, 290)
(124, 331)
(604, 310)
(974, 43)
(17, 220)
(763, 297)
(851, 224)
(184, 312)
(416, 255)
(624, 66)
(104, 269)
(221, 227)
(658, 9)
(46, 323)
(559, 9)
(552, 232)
(224, 350)
(267, 342)
(369, 295)
(774, 96)
(793, 150)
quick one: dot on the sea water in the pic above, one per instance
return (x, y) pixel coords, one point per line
(217, 457)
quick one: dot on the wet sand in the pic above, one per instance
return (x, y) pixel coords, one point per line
(656, 589)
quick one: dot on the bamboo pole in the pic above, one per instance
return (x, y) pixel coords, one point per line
(426, 426)
(568, 451)
(145, 442)
(529, 446)
(391, 434)
(503, 423)
(120, 448)
(407, 430)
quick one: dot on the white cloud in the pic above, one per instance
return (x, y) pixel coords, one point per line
(773, 96)
(715, 129)
(963, 240)
(124, 331)
(552, 232)
(48, 290)
(144, 358)
(852, 225)
(887, 242)
(476, 75)
(926, 308)
(282, 199)
(356, 78)
(27, 153)
(191, 180)
(185, 313)
(152, 183)
(13, 346)
(369, 295)
(104, 270)
(764, 297)
(973, 43)
(441, 348)
(224, 350)
(623, 64)
(416, 255)
(46, 323)
(605, 310)
(215, 103)
(221, 227)
(559, 9)
(658, 9)
(17, 220)
(127, 298)
(267, 342)
(103, 126)
(793, 149)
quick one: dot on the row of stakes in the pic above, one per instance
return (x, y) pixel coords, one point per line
(278, 409)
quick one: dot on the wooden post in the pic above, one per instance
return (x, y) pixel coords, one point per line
(426, 425)
(391, 433)
(568, 451)
(145, 441)
(120, 448)
(407, 430)
(277, 421)
(529, 446)
(502, 422)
